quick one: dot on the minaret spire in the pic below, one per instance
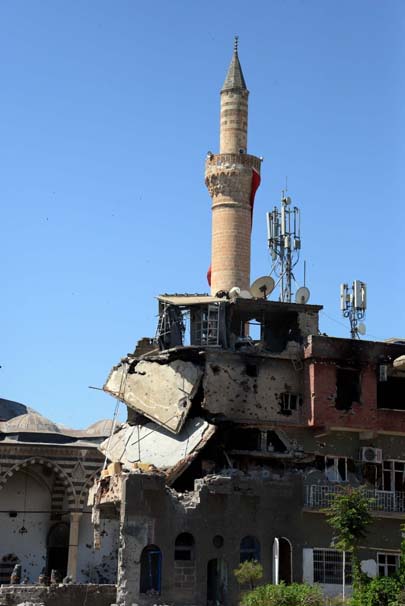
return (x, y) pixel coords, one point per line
(234, 79)
(232, 178)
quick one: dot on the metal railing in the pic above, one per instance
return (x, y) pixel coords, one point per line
(319, 496)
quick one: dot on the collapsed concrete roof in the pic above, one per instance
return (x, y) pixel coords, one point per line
(142, 445)
(161, 392)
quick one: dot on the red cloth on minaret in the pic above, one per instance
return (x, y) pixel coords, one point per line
(255, 186)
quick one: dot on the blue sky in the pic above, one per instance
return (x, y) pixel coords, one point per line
(107, 112)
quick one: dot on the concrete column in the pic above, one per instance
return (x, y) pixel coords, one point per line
(75, 517)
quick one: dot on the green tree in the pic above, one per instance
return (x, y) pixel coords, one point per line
(349, 516)
(249, 572)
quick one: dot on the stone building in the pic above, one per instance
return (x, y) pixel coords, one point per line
(234, 445)
(45, 473)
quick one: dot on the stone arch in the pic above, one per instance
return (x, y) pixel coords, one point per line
(88, 483)
(72, 497)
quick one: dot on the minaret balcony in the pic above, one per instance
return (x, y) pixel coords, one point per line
(232, 160)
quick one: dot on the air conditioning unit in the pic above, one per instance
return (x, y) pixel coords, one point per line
(370, 455)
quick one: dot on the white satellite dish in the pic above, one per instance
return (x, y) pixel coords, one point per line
(302, 295)
(262, 287)
(361, 329)
(245, 294)
(234, 292)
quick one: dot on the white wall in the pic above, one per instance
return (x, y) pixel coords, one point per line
(30, 548)
(97, 565)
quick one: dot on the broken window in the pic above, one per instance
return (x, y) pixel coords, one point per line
(336, 469)
(274, 328)
(184, 547)
(391, 393)
(279, 329)
(274, 442)
(249, 549)
(245, 439)
(205, 327)
(347, 388)
(170, 330)
(151, 570)
(289, 402)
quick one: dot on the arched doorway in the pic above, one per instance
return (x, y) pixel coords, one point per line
(217, 582)
(58, 548)
(151, 570)
(282, 560)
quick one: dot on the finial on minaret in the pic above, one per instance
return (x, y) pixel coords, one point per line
(234, 78)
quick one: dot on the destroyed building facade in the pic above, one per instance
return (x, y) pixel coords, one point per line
(234, 445)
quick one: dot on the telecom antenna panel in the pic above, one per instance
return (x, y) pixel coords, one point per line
(353, 304)
(284, 242)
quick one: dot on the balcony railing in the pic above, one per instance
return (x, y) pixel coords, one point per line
(320, 496)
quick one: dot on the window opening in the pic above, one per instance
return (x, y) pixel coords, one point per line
(205, 325)
(274, 443)
(394, 476)
(347, 388)
(251, 369)
(391, 393)
(184, 547)
(151, 570)
(249, 549)
(388, 564)
(328, 567)
(290, 402)
(245, 439)
(218, 541)
(336, 469)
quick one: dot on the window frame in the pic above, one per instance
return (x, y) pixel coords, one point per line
(385, 564)
(331, 580)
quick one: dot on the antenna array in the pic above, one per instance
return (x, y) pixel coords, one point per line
(353, 304)
(284, 241)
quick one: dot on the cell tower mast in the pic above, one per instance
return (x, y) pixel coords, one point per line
(284, 241)
(353, 304)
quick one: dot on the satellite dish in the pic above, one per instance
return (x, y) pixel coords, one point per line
(302, 295)
(234, 292)
(245, 294)
(361, 329)
(262, 287)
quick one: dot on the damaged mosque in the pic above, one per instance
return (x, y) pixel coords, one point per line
(232, 444)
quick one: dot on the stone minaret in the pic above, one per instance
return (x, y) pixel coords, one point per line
(232, 177)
